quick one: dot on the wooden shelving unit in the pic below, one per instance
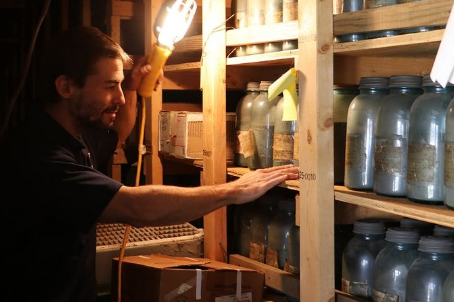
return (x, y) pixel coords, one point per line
(320, 63)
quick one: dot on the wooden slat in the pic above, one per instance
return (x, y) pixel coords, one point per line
(265, 33)
(315, 78)
(407, 15)
(397, 206)
(213, 78)
(421, 44)
(128, 9)
(239, 171)
(275, 278)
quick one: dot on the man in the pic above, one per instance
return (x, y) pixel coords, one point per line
(53, 193)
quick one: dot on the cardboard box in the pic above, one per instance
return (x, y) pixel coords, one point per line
(162, 278)
(181, 134)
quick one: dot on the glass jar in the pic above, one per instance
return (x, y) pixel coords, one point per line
(449, 158)
(296, 142)
(359, 256)
(272, 47)
(391, 135)
(293, 253)
(429, 271)
(280, 225)
(351, 6)
(243, 125)
(273, 11)
(289, 10)
(448, 288)
(426, 139)
(262, 125)
(440, 230)
(239, 9)
(425, 228)
(290, 45)
(260, 226)
(342, 97)
(242, 227)
(389, 277)
(255, 17)
(359, 145)
(284, 137)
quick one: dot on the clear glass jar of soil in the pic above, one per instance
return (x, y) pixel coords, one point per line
(389, 277)
(284, 137)
(426, 143)
(359, 256)
(391, 135)
(243, 125)
(360, 140)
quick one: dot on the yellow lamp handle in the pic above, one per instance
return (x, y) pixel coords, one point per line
(157, 59)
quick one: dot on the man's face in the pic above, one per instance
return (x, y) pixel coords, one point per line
(99, 100)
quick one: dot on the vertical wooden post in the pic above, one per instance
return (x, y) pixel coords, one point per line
(213, 84)
(153, 166)
(315, 77)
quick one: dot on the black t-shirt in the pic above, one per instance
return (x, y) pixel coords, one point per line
(52, 195)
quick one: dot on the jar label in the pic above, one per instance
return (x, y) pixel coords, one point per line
(378, 296)
(355, 155)
(355, 288)
(421, 163)
(274, 16)
(296, 146)
(449, 164)
(290, 11)
(246, 142)
(389, 154)
(257, 252)
(283, 146)
(272, 257)
(291, 269)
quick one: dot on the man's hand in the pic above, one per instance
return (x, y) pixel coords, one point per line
(139, 70)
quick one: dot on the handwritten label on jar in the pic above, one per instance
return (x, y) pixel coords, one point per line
(246, 143)
(378, 296)
(283, 146)
(449, 164)
(272, 257)
(296, 147)
(388, 155)
(354, 288)
(421, 163)
(257, 252)
(355, 155)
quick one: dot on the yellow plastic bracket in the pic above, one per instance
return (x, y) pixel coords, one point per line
(286, 84)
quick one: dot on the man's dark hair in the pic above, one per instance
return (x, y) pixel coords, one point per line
(74, 53)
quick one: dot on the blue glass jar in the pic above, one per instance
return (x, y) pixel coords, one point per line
(342, 97)
(425, 228)
(243, 125)
(389, 277)
(293, 253)
(448, 288)
(263, 113)
(280, 225)
(360, 142)
(429, 271)
(391, 135)
(242, 227)
(260, 226)
(426, 143)
(440, 230)
(284, 137)
(359, 256)
(449, 158)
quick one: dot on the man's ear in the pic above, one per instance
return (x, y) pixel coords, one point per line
(63, 86)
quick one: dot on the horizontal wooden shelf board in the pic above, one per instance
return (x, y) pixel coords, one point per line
(239, 171)
(191, 66)
(261, 34)
(275, 278)
(268, 59)
(398, 206)
(399, 16)
(420, 44)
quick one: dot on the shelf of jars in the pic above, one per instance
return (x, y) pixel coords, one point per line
(437, 214)
(432, 15)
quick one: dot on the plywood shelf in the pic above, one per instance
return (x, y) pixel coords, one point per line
(398, 206)
(239, 171)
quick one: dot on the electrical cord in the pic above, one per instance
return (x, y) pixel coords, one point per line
(137, 183)
(10, 108)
